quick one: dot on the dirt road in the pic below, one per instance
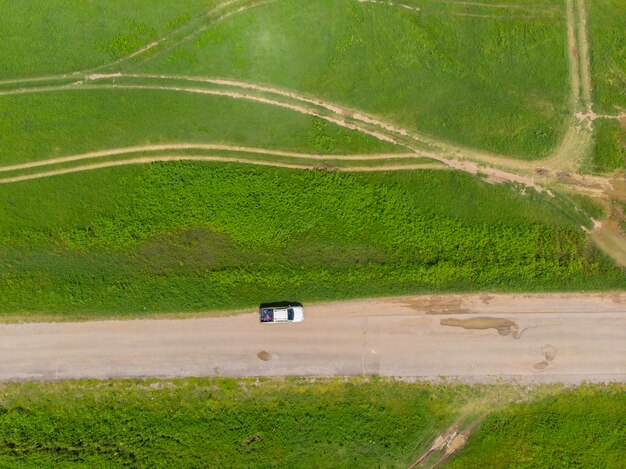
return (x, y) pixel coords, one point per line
(478, 338)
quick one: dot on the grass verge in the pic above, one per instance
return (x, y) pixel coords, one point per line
(580, 427)
(179, 237)
(357, 422)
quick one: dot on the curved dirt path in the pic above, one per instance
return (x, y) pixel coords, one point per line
(612, 241)
(566, 157)
(200, 146)
(491, 174)
(223, 159)
(584, 336)
(426, 10)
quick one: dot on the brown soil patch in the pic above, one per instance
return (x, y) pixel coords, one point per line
(503, 326)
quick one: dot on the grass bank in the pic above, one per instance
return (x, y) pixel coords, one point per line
(303, 423)
(187, 236)
(607, 22)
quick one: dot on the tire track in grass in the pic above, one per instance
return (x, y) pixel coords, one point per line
(196, 146)
(572, 50)
(495, 5)
(214, 159)
(585, 63)
(470, 161)
(465, 159)
(235, 95)
(543, 14)
(455, 156)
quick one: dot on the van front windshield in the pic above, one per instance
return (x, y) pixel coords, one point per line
(290, 314)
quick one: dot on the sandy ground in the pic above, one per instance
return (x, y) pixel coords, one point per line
(476, 338)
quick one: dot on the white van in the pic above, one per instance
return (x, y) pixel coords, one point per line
(291, 313)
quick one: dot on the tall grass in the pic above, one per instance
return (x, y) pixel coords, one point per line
(301, 423)
(218, 423)
(194, 237)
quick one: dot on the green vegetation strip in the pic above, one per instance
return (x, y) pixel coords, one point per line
(583, 427)
(190, 236)
(304, 423)
(610, 146)
(260, 157)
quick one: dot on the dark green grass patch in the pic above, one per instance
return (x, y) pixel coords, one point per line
(583, 427)
(607, 23)
(218, 423)
(194, 237)
(357, 422)
(497, 83)
(610, 146)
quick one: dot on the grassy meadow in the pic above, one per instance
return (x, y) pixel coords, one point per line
(176, 237)
(607, 22)
(446, 75)
(40, 126)
(448, 71)
(195, 237)
(610, 146)
(303, 423)
(44, 37)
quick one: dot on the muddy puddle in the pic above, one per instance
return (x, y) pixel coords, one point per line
(549, 353)
(503, 326)
(263, 356)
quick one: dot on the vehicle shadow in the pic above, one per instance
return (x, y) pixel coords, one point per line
(280, 304)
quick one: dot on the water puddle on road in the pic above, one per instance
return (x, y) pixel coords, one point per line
(503, 326)
(263, 356)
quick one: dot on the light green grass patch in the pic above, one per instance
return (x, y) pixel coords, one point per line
(495, 83)
(61, 36)
(607, 23)
(40, 126)
(610, 146)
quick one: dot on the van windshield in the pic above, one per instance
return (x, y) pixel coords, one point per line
(290, 314)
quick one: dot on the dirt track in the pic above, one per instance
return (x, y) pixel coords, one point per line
(478, 338)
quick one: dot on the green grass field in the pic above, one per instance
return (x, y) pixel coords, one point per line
(74, 122)
(607, 22)
(302, 423)
(577, 428)
(421, 71)
(418, 70)
(62, 36)
(217, 422)
(204, 236)
(196, 237)
(610, 146)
